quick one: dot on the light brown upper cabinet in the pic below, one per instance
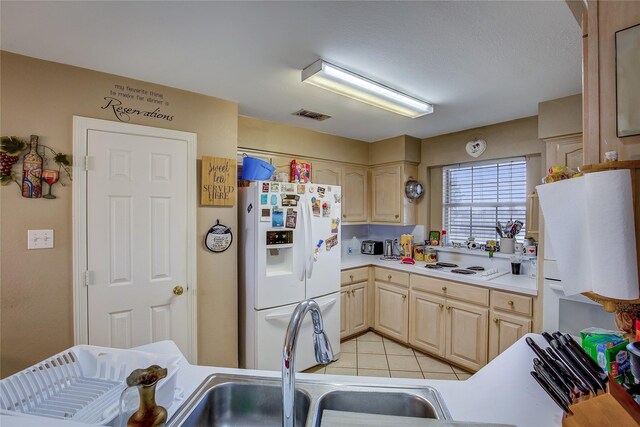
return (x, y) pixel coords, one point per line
(354, 194)
(386, 182)
(326, 173)
(388, 201)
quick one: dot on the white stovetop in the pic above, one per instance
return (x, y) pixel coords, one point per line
(522, 283)
(501, 392)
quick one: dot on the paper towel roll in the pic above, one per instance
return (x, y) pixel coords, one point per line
(590, 223)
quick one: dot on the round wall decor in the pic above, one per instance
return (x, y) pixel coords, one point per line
(218, 238)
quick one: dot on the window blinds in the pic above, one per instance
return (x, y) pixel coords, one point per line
(477, 195)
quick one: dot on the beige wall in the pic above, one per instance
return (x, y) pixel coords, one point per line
(272, 137)
(508, 139)
(560, 117)
(40, 97)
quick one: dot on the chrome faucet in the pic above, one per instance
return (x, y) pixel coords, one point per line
(321, 345)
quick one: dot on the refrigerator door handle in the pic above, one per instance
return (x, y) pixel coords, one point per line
(329, 303)
(311, 245)
(303, 226)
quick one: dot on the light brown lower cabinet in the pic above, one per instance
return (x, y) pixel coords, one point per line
(467, 333)
(353, 309)
(392, 310)
(504, 330)
(426, 322)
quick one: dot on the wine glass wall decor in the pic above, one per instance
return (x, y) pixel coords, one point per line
(37, 157)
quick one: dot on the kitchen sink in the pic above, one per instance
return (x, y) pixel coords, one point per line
(246, 400)
(243, 404)
(400, 404)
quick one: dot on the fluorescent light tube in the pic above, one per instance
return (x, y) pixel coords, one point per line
(343, 82)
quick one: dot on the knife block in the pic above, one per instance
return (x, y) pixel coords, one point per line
(615, 407)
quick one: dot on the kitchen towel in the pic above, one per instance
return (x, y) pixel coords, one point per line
(590, 224)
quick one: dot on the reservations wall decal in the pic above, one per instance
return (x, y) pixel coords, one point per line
(120, 94)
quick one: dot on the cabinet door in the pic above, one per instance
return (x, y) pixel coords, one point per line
(358, 308)
(505, 330)
(326, 173)
(426, 322)
(386, 203)
(282, 164)
(354, 194)
(467, 334)
(345, 299)
(392, 311)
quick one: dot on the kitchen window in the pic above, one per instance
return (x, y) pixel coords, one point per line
(475, 196)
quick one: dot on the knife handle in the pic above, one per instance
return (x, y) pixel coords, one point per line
(597, 369)
(550, 392)
(574, 367)
(575, 384)
(554, 384)
(582, 364)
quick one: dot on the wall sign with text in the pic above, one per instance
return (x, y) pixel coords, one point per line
(218, 181)
(126, 102)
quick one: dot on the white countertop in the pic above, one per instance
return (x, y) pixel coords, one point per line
(501, 392)
(514, 283)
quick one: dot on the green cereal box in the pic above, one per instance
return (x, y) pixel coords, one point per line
(608, 349)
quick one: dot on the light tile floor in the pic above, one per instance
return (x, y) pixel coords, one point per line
(374, 356)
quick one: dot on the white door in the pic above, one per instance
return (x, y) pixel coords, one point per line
(137, 236)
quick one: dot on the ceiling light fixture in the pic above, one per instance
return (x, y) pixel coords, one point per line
(344, 82)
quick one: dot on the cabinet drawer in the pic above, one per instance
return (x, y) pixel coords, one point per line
(393, 276)
(470, 293)
(347, 277)
(512, 303)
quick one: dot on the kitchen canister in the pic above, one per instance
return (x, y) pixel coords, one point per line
(431, 256)
(507, 245)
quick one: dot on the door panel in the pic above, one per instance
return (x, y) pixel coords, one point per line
(358, 308)
(386, 202)
(426, 322)
(326, 173)
(354, 187)
(391, 314)
(506, 330)
(468, 334)
(137, 239)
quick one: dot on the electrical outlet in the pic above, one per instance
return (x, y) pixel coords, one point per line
(39, 239)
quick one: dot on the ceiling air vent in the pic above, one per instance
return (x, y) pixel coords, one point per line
(311, 115)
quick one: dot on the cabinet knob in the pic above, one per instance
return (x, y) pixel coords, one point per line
(444, 289)
(510, 303)
(389, 277)
(404, 297)
(178, 290)
(353, 292)
(495, 320)
(397, 216)
(441, 306)
(344, 215)
(348, 292)
(448, 308)
(351, 277)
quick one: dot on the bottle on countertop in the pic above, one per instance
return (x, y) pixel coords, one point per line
(443, 238)
(354, 247)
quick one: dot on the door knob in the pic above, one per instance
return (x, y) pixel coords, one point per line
(178, 290)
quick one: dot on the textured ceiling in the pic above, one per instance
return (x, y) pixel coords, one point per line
(479, 62)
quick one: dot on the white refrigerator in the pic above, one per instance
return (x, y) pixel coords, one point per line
(289, 251)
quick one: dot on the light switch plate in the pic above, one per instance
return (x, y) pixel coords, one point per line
(39, 239)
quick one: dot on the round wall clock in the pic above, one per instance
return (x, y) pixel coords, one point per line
(476, 147)
(218, 238)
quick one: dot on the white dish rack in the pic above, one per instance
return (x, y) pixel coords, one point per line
(84, 384)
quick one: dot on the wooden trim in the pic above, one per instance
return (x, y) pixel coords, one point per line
(591, 86)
